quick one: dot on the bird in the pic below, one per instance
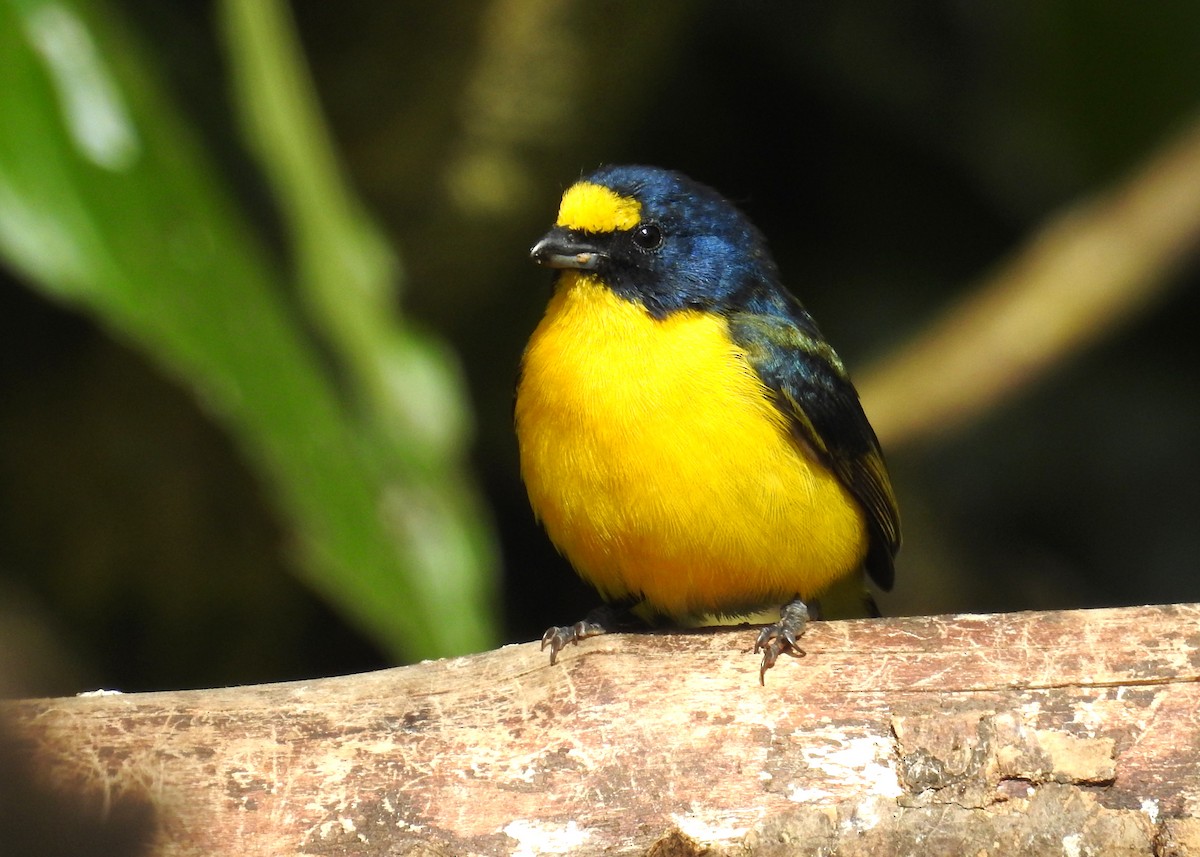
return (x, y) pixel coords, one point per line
(688, 439)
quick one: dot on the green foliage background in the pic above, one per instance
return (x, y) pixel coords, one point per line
(352, 418)
(264, 290)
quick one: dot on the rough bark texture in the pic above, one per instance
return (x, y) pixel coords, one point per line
(1072, 733)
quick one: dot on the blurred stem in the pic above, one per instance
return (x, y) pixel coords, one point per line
(406, 389)
(1087, 272)
(348, 272)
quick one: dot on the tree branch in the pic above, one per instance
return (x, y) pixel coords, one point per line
(1085, 273)
(1030, 733)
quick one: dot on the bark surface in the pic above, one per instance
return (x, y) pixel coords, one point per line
(1033, 733)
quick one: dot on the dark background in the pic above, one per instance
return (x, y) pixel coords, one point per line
(892, 153)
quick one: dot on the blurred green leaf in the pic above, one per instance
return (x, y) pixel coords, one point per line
(108, 203)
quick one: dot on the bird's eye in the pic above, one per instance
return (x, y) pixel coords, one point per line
(648, 236)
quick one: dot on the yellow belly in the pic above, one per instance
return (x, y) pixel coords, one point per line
(662, 471)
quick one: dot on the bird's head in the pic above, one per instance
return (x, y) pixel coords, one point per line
(659, 238)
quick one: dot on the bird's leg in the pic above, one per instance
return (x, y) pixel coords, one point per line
(605, 618)
(776, 639)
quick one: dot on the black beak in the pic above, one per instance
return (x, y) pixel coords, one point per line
(560, 248)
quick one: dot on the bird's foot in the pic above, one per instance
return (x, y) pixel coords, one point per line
(559, 636)
(774, 640)
(605, 618)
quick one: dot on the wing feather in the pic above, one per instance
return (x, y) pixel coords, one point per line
(811, 386)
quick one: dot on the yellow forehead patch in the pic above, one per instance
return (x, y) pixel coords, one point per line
(595, 208)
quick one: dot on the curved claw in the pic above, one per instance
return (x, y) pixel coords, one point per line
(559, 636)
(774, 640)
(771, 652)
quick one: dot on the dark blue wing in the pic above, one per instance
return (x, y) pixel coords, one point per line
(806, 376)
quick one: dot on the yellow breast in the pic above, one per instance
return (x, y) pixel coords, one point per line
(661, 469)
